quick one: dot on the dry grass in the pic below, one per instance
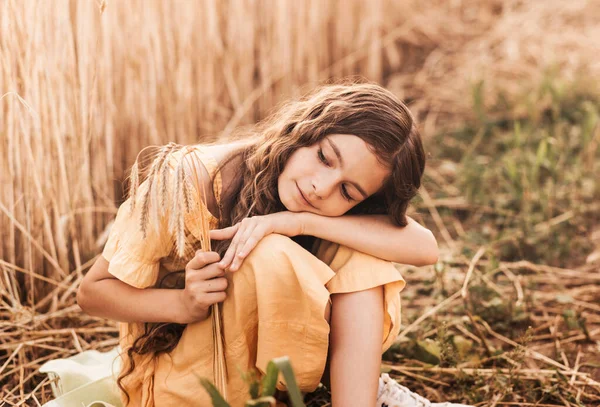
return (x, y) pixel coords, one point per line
(85, 85)
(523, 333)
(510, 314)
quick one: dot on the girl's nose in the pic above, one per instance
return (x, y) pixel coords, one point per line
(317, 190)
(323, 186)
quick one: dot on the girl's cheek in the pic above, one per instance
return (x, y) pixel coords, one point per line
(335, 209)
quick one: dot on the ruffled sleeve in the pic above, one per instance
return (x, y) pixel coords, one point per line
(357, 271)
(158, 224)
(133, 258)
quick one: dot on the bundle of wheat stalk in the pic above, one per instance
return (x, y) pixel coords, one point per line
(174, 196)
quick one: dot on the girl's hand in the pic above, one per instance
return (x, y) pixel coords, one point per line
(246, 234)
(204, 286)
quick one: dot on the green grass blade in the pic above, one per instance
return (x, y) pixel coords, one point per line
(269, 381)
(215, 396)
(284, 365)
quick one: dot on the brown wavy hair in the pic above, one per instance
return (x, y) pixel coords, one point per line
(366, 110)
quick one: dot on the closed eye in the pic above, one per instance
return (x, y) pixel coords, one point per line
(345, 194)
(322, 157)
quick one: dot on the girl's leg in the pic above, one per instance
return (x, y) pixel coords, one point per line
(355, 347)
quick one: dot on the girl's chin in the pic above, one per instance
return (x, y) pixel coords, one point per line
(289, 205)
(293, 207)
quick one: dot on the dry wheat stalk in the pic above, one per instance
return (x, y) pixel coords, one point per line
(160, 194)
(219, 363)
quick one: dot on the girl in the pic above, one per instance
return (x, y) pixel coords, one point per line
(307, 212)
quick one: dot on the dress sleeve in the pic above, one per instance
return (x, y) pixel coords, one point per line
(133, 258)
(357, 271)
(147, 232)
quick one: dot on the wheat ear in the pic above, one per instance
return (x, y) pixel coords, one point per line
(149, 195)
(134, 180)
(133, 187)
(177, 218)
(163, 178)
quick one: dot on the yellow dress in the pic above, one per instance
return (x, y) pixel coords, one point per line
(275, 306)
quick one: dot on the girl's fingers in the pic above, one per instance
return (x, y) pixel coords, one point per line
(215, 285)
(207, 273)
(240, 243)
(225, 233)
(201, 259)
(215, 297)
(244, 236)
(243, 252)
(228, 257)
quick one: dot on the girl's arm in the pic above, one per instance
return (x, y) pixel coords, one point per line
(125, 291)
(103, 295)
(375, 235)
(372, 234)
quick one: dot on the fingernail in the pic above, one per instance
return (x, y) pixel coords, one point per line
(241, 254)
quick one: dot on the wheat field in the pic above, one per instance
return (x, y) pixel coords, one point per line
(85, 85)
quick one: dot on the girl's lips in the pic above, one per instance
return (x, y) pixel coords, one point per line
(306, 201)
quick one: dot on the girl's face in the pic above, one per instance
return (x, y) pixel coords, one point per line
(330, 177)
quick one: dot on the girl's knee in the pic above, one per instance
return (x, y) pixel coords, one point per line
(271, 255)
(280, 262)
(273, 246)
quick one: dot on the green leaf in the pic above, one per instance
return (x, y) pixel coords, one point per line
(250, 377)
(269, 381)
(253, 385)
(463, 346)
(284, 365)
(215, 396)
(432, 348)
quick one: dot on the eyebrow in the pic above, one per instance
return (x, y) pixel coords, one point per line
(339, 157)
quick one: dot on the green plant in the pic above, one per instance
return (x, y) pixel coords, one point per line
(267, 385)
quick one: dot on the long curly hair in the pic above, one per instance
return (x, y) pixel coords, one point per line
(366, 110)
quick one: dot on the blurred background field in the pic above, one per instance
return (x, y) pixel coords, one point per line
(507, 97)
